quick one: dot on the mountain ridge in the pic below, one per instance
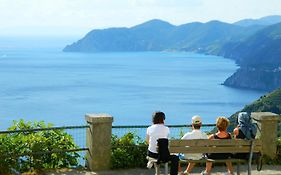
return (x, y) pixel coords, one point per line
(156, 35)
(253, 47)
(259, 57)
(267, 20)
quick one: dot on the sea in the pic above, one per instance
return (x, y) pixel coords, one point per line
(38, 81)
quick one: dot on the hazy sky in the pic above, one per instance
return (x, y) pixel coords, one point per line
(24, 17)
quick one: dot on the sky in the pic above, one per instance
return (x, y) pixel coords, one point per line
(77, 17)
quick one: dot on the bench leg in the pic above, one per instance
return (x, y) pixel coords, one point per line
(250, 159)
(249, 167)
(157, 169)
(238, 168)
(166, 168)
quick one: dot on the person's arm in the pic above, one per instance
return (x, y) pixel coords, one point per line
(147, 138)
(168, 132)
(236, 131)
(211, 137)
(184, 137)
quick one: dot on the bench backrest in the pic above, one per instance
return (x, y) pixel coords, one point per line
(214, 146)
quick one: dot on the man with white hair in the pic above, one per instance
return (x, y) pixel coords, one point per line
(196, 133)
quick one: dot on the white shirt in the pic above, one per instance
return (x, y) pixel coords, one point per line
(155, 132)
(194, 134)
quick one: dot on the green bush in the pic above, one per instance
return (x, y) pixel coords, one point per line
(129, 151)
(24, 151)
(6, 162)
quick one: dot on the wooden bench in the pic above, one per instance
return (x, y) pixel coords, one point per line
(217, 146)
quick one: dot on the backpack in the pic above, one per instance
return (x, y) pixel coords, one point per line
(163, 150)
(249, 129)
(246, 125)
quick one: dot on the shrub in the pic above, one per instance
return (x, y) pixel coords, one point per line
(28, 150)
(129, 151)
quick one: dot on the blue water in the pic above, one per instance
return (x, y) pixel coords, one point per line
(40, 82)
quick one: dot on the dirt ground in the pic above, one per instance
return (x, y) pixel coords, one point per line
(266, 170)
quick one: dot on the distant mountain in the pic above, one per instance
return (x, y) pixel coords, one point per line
(265, 21)
(149, 36)
(256, 47)
(158, 35)
(260, 59)
(205, 37)
(261, 48)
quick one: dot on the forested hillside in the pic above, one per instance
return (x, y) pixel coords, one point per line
(270, 102)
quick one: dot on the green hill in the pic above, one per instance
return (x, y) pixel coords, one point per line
(270, 102)
(158, 35)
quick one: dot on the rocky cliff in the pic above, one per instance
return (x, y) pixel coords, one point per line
(253, 78)
(260, 59)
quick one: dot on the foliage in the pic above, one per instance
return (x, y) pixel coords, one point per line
(270, 102)
(128, 151)
(28, 150)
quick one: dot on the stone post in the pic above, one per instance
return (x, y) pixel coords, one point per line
(267, 123)
(98, 141)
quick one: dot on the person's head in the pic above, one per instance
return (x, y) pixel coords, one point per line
(243, 118)
(158, 117)
(222, 123)
(196, 122)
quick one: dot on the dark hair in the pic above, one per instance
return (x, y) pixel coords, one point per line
(158, 117)
(196, 126)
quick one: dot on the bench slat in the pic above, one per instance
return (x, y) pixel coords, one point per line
(215, 142)
(221, 149)
(216, 146)
(212, 160)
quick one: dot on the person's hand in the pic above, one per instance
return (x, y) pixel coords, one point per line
(236, 131)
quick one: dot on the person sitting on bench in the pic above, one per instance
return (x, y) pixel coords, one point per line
(157, 131)
(222, 124)
(196, 133)
(245, 130)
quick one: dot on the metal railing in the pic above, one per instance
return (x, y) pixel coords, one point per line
(78, 133)
(176, 131)
(133, 145)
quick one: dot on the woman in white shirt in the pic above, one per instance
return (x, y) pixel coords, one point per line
(156, 131)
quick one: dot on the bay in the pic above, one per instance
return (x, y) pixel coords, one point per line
(40, 82)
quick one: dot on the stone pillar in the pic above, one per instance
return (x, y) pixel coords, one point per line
(267, 123)
(98, 141)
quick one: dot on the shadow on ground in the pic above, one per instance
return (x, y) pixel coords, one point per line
(267, 170)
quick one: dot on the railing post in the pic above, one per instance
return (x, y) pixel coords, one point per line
(267, 123)
(98, 141)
